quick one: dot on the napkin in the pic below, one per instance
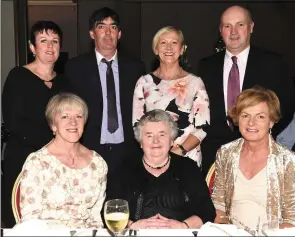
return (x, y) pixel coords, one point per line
(212, 229)
(165, 232)
(36, 227)
(281, 232)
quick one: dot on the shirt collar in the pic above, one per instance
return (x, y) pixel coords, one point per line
(99, 57)
(242, 56)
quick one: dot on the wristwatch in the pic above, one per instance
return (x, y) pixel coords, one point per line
(183, 151)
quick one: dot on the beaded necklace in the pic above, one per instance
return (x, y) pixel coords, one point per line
(157, 167)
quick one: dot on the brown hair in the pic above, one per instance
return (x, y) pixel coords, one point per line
(252, 97)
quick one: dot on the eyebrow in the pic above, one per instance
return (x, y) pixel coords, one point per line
(102, 23)
(255, 114)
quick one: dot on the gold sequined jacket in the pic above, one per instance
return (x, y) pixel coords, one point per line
(280, 179)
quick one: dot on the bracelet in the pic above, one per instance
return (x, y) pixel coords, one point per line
(186, 224)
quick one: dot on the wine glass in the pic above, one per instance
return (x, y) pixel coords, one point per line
(268, 225)
(116, 215)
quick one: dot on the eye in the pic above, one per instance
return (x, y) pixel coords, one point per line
(163, 42)
(64, 116)
(245, 116)
(55, 41)
(241, 24)
(226, 26)
(79, 116)
(261, 116)
(100, 26)
(43, 41)
(114, 27)
(175, 42)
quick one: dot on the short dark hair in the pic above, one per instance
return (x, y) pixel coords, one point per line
(40, 26)
(101, 14)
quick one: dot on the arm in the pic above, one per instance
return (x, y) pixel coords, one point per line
(218, 195)
(27, 130)
(31, 187)
(287, 137)
(95, 220)
(198, 118)
(288, 203)
(138, 101)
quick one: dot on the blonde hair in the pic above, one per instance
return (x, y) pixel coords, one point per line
(255, 96)
(165, 30)
(62, 101)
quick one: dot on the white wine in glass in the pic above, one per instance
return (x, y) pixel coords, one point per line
(116, 215)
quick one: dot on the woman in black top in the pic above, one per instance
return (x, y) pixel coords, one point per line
(26, 93)
(163, 190)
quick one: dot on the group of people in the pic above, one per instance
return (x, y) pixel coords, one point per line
(182, 122)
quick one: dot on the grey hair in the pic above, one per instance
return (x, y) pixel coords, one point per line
(62, 101)
(156, 115)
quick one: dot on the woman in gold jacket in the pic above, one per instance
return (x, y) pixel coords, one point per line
(255, 175)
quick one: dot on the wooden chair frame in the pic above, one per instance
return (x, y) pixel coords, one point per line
(15, 199)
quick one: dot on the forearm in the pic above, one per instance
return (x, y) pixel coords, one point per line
(194, 222)
(221, 217)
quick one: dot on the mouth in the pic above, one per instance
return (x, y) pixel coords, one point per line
(50, 52)
(72, 130)
(252, 130)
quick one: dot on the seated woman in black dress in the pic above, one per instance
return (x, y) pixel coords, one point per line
(163, 189)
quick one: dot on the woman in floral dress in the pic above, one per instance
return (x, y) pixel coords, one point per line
(171, 88)
(64, 183)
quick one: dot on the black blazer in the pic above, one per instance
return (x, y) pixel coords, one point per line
(263, 69)
(83, 79)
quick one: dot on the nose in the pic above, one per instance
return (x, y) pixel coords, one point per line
(155, 139)
(233, 30)
(107, 30)
(251, 121)
(73, 121)
(49, 44)
(168, 46)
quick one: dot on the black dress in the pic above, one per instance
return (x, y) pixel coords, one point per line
(24, 101)
(178, 193)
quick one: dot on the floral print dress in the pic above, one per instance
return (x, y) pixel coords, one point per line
(185, 99)
(52, 191)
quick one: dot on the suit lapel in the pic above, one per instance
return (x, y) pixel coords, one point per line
(251, 70)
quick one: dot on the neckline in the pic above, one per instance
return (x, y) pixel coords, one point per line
(39, 78)
(153, 75)
(68, 167)
(254, 177)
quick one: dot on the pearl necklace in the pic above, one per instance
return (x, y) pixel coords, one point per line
(157, 167)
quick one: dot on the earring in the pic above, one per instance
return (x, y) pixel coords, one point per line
(34, 55)
(54, 133)
(269, 131)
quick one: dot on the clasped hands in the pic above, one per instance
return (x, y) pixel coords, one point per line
(157, 222)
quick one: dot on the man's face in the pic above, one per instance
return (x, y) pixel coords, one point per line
(236, 29)
(106, 35)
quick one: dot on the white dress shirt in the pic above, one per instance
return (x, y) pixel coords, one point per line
(242, 59)
(118, 135)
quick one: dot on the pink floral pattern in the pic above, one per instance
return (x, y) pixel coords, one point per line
(190, 96)
(52, 191)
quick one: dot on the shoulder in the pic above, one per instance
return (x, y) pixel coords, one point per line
(81, 59)
(15, 73)
(184, 164)
(99, 161)
(265, 54)
(213, 58)
(288, 156)
(231, 146)
(39, 159)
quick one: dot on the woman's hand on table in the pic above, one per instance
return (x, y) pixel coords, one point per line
(150, 223)
(173, 224)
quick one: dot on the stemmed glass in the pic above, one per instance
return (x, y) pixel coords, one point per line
(268, 225)
(116, 215)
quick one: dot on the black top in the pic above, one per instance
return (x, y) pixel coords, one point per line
(24, 101)
(178, 193)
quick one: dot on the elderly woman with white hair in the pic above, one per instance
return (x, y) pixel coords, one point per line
(64, 182)
(163, 190)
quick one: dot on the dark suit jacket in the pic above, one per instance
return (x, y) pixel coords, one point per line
(83, 79)
(263, 69)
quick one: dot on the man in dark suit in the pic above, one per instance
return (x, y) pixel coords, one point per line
(250, 67)
(105, 79)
